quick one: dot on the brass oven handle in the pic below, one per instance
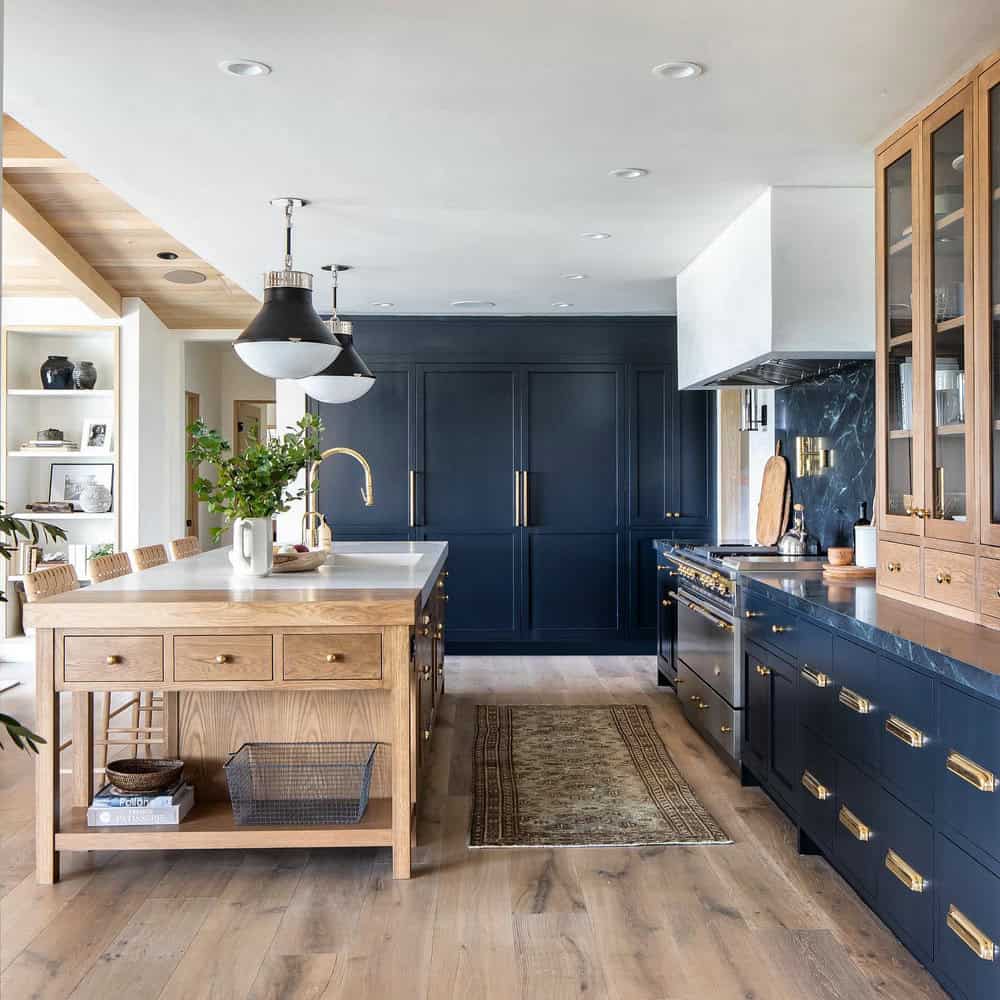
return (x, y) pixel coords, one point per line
(905, 733)
(517, 499)
(968, 770)
(814, 786)
(413, 498)
(525, 504)
(853, 825)
(719, 622)
(970, 935)
(906, 874)
(817, 680)
(854, 701)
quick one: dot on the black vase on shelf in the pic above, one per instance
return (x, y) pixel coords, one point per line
(84, 375)
(57, 372)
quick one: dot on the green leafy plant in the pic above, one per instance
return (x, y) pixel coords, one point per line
(12, 532)
(254, 483)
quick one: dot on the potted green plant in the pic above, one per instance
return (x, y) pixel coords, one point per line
(12, 532)
(253, 486)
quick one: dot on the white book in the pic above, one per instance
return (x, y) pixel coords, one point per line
(142, 815)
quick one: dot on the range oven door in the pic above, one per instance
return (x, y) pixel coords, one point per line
(707, 643)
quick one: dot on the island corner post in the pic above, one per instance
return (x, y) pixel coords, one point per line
(367, 665)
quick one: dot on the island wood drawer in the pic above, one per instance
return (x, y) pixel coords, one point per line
(109, 659)
(349, 657)
(215, 658)
(989, 587)
(950, 577)
(899, 566)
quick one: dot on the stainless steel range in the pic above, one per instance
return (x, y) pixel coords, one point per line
(707, 647)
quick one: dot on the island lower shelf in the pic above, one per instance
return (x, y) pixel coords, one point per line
(211, 826)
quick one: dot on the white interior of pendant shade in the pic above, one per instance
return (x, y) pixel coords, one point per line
(284, 359)
(337, 388)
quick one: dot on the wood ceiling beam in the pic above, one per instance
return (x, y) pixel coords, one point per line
(80, 277)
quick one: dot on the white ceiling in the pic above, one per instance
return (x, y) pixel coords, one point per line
(455, 149)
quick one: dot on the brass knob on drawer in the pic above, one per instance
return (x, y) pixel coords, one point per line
(425, 631)
(444, 597)
(943, 577)
(725, 730)
(702, 707)
(763, 671)
(427, 734)
(441, 584)
(893, 567)
(222, 658)
(668, 514)
(778, 629)
(426, 672)
(112, 660)
(440, 670)
(666, 603)
(426, 619)
(332, 657)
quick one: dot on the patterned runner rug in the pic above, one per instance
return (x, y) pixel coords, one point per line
(584, 776)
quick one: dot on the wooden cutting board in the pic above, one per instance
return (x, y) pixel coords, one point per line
(771, 515)
(849, 572)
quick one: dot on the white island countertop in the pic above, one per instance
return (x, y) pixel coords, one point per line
(396, 576)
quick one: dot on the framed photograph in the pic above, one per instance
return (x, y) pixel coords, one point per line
(67, 481)
(96, 436)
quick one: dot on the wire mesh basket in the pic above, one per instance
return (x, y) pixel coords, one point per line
(300, 783)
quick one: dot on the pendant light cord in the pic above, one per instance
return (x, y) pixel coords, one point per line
(333, 276)
(289, 207)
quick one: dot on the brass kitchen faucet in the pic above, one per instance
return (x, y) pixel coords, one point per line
(312, 518)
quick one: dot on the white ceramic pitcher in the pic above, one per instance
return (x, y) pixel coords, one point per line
(252, 554)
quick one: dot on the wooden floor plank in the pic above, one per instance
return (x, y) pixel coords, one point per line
(557, 958)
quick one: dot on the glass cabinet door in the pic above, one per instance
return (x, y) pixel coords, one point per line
(949, 472)
(900, 487)
(988, 301)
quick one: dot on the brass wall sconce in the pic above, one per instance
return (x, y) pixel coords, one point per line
(812, 456)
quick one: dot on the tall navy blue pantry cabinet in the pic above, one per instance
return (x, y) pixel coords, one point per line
(548, 453)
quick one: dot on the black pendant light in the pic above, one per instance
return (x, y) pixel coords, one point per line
(348, 378)
(287, 339)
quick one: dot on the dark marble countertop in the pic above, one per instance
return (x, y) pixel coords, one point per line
(966, 654)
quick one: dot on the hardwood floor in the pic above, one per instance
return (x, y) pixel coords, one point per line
(751, 921)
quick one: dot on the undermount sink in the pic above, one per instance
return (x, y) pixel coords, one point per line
(374, 560)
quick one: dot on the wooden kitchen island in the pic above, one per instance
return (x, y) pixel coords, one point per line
(354, 651)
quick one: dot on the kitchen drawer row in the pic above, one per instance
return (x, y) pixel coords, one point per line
(960, 580)
(892, 774)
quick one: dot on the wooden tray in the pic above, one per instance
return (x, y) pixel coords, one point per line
(301, 562)
(849, 572)
(771, 513)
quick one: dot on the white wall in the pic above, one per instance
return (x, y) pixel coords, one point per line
(52, 310)
(724, 298)
(291, 406)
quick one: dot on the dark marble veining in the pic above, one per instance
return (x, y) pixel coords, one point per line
(841, 408)
(966, 654)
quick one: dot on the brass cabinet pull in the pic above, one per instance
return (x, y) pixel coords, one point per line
(906, 874)
(694, 697)
(222, 658)
(112, 660)
(703, 706)
(725, 730)
(666, 603)
(968, 770)
(525, 505)
(668, 514)
(905, 733)
(517, 501)
(413, 498)
(814, 786)
(753, 614)
(943, 577)
(426, 672)
(817, 680)
(893, 567)
(425, 619)
(427, 734)
(778, 629)
(854, 826)
(763, 671)
(918, 512)
(970, 935)
(332, 657)
(854, 701)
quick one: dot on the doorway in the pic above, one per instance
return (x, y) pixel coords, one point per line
(253, 420)
(192, 413)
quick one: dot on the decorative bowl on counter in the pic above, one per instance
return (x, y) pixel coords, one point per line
(137, 775)
(840, 556)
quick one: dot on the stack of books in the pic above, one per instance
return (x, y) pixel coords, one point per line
(38, 444)
(111, 807)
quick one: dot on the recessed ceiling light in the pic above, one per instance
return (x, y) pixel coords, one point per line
(167, 255)
(679, 69)
(595, 236)
(184, 276)
(575, 277)
(383, 305)
(473, 304)
(628, 173)
(244, 67)
(562, 305)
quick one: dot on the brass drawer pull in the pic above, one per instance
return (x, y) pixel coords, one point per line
(906, 874)
(905, 733)
(112, 660)
(763, 671)
(854, 701)
(332, 657)
(702, 706)
(817, 680)
(725, 730)
(943, 577)
(666, 603)
(971, 772)
(426, 673)
(753, 614)
(970, 935)
(222, 658)
(694, 697)
(854, 826)
(427, 734)
(778, 629)
(893, 567)
(814, 786)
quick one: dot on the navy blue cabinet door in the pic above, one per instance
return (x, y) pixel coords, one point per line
(573, 438)
(757, 717)
(464, 493)
(651, 495)
(377, 425)
(692, 462)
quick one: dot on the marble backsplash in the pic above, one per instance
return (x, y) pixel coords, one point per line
(839, 407)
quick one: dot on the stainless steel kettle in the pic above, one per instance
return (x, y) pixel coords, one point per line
(797, 541)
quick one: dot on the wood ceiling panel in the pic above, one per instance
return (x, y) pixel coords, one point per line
(118, 242)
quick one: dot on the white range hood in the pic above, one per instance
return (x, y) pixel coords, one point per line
(786, 291)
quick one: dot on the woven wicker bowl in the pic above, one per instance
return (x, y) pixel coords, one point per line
(143, 775)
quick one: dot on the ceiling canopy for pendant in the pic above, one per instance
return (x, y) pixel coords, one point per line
(348, 377)
(287, 338)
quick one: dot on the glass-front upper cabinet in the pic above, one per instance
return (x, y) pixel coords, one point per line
(947, 260)
(899, 383)
(988, 301)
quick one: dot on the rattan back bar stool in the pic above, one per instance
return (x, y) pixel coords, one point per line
(184, 548)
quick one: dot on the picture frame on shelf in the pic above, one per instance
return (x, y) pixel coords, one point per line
(97, 436)
(68, 480)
